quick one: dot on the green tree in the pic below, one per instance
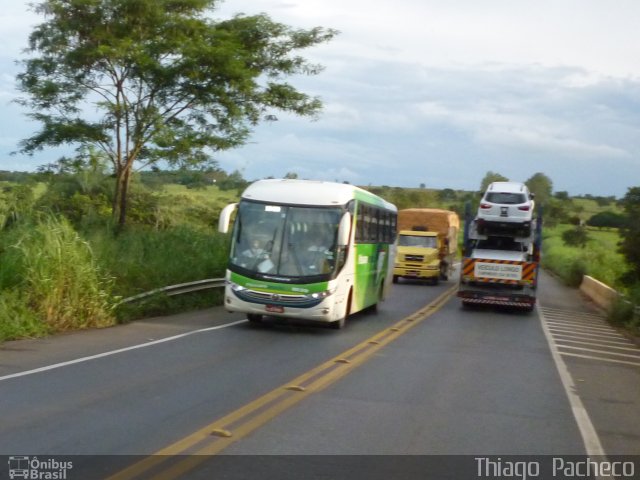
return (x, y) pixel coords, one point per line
(150, 80)
(576, 237)
(540, 185)
(447, 195)
(233, 181)
(630, 243)
(555, 212)
(607, 219)
(491, 177)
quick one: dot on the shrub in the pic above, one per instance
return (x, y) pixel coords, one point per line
(61, 279)
(625, 310)
(607, 219)
(577, 269)
(17, 320)
(576, 237)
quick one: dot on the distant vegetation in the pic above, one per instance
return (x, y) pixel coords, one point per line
(65, 265)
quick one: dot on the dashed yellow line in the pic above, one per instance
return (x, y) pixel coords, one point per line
(186, 454)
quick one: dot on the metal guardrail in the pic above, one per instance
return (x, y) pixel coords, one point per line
(179, 289)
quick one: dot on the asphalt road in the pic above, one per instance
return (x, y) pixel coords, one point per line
(446, 381)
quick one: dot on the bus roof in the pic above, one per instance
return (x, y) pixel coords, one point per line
(310, 192)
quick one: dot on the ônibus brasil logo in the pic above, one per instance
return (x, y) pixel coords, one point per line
(33, 468)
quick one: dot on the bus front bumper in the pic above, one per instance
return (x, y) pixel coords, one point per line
(326, 310)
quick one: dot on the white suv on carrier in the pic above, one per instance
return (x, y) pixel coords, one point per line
(506, 206)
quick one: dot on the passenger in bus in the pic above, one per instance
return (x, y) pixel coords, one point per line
(317, 254)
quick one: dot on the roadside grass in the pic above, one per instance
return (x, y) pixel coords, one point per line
(54, 280)
(599, 258)
(589, 207)
(55, 277)
(143, 259)
(50, 281)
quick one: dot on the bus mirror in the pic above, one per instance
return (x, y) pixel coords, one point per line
(225, 217)
(344, 231)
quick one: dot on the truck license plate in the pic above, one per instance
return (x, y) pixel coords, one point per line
(274, 309)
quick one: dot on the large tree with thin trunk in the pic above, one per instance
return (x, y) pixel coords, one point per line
(151, 80)
(542, 186)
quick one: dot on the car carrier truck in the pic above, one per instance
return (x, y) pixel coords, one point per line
(427, 244)
(499, 268)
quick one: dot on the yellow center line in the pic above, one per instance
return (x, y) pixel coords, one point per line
(218, 435)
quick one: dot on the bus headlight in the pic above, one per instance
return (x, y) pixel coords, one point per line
(320, 295)
(235, 287)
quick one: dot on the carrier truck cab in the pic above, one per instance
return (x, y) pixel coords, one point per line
(427, 244)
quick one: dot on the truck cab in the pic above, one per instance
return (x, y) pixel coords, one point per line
(418, 256)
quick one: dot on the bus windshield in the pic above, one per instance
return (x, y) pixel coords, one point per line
(290, 241)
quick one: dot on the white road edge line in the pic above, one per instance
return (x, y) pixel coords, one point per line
(562, 337)
(561, 341)
(600, 359)
(590, 437)
(584, 334)
(120, 350)
(580, 327)
(603, 352)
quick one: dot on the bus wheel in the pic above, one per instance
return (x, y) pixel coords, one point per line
(374, 307)
(395, 279)
(254, 317)
(338, 324)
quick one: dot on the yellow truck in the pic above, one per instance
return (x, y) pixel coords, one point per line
(427, 244)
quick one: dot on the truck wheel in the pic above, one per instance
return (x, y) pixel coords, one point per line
(444, 272)
(254, 318)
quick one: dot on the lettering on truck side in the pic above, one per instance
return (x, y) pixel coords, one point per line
(498, 270)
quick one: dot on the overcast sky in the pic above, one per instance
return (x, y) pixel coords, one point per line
(434, 92)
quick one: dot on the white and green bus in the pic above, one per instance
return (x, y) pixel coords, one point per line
(309, 250)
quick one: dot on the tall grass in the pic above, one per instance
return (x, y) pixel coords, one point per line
(63, 277)
(52, 282)
(145, 259)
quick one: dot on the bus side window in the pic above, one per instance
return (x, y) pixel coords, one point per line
(386, 227)
(360, 223)
(373, 230)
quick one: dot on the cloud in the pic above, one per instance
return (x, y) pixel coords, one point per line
(403, 124)
(527, 130)
(425, 91)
